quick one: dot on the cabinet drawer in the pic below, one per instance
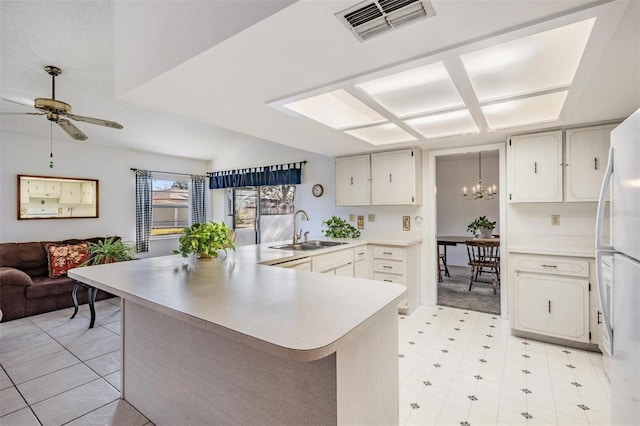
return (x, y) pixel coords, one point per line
(360, 253)
(388, 267)
(333, 260)
(398, 279)
(553, 265)
(393, 253)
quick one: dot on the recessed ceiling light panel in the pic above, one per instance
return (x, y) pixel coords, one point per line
(521, 112)
(543, 61)
(420, 90)
(383, 134)
(337, 109)
(447, 124)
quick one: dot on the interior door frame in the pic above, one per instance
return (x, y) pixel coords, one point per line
(430, 281)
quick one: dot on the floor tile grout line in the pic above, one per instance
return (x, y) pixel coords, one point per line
(555, 408)
(575, 380)
(21, 396)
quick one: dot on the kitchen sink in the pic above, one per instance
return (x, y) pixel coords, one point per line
(309, 245)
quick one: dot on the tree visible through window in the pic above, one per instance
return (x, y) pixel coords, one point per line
(170, 206)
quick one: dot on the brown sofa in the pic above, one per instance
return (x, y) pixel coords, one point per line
(25, 286)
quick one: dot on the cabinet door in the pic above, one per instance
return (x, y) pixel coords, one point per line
(393, 177)
(587, 152)
(554, 306)
(360, 269)
(88, 191)
(70, 193)
(353, 181)
(535, 167)
(36, 187)
(345, 270)
(52, 188)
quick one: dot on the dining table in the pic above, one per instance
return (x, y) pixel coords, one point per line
(453, 240)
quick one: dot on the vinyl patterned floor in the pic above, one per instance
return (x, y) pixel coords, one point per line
(456, 368)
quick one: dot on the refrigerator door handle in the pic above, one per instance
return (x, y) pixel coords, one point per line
(601, 204)
(603, 297)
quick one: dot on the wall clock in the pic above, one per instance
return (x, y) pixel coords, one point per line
(317, 190)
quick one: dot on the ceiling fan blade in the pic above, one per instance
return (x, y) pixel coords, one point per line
(19, 101)
(72, 130)
(23, 113)
(98, 121)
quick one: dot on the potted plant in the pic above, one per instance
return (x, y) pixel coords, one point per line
(205, 240)
(339, 228)
(110, 250)
(482, 224)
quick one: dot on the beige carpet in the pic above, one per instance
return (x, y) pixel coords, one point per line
(454, 292)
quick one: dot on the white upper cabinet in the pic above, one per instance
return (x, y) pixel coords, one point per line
(535, 167)
(397, 177)
(353, 181)
(587, 151)
(70, 193)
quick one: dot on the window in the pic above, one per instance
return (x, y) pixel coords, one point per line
(170, 205)
(277, 199)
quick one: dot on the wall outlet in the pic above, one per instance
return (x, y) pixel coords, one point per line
(371, 217)
(352, 217)
(555, 219)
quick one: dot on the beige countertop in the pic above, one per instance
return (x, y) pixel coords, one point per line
(295, 314)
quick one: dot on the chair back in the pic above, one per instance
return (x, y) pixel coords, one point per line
(483, 253)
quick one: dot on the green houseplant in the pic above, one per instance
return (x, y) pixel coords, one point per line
(110, 250)
(205, 240)
(339, 228)
(482, 224)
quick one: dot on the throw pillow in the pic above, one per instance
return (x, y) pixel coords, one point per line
(64, 257)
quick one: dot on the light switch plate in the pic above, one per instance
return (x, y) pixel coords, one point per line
(352, 217)
(555, 219)
(371, 217)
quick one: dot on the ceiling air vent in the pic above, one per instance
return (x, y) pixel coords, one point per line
(370, 18)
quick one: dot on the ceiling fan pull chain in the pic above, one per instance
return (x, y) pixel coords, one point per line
(51, 146)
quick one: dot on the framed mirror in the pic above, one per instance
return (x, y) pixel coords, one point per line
(51, 197)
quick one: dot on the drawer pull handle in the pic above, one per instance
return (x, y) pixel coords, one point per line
(361, 254)
(388, 253)
(549, 306)
(387, 267)
(599, 321)
(549, 266)
(388, 281)
(351, 180)
(535, 167)
(595, 163)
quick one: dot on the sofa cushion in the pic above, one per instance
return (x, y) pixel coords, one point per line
(28, 257)
(45, 286)
(63, 257)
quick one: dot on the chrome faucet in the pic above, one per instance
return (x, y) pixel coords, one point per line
(296, 235)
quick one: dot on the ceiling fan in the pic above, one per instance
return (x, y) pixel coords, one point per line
(56, 110)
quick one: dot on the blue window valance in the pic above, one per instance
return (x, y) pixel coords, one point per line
(280, 174)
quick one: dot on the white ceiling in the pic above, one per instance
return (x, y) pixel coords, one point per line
(193, 78)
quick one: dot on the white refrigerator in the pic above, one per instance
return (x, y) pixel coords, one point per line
(618, 266)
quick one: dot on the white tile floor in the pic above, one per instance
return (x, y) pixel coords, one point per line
(456, 368)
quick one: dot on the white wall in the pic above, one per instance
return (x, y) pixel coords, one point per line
(455, 212)
(21, 154)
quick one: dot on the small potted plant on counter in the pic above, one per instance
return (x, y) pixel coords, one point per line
(481, 226)
(205, 240)
(339, 228)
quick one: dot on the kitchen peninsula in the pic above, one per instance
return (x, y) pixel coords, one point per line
(230, 341)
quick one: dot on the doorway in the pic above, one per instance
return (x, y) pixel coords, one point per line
(450, 213)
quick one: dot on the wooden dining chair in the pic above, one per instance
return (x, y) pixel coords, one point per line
(442, 262)
(484, 257)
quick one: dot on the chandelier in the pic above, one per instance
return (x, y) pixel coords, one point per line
(478, 191)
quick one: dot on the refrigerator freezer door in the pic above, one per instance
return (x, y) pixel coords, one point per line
(625, 368)
(625, 205)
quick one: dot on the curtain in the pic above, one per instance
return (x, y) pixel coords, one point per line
(281, 174)
(198, 211)
(144, 209)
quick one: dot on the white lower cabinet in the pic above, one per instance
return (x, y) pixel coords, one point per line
(399, 265)
(361, 262)
(552, 296)
(337, 263)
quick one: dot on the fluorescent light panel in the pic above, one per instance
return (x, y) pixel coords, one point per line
(383, 134)
(337, 109)
(539, 62)
(520, 112)
(447, 124)
(420, 90)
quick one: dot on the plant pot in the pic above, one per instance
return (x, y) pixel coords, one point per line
(486, 232)
(204, 256)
